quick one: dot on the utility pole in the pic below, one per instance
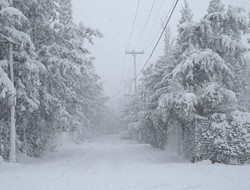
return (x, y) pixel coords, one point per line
(12, 156)
(135, 53)
(127, 87)
(125, 84)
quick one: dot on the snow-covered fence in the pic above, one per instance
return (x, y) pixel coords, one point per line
(186, 139)
(201, 146)
(189, 141)
(174, 142)
(204, 139)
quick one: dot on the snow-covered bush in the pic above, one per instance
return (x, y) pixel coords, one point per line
(180, 106)
(229, 137)
(199, 67)
(215, 98)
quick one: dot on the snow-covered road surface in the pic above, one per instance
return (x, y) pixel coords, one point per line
(108, 163)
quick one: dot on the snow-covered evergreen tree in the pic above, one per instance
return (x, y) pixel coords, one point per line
(215, 6)
(57, 88)
(214, 69)
(203, 77)
(185, 28)
(15, 29)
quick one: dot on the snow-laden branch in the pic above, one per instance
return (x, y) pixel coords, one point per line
(6, 86)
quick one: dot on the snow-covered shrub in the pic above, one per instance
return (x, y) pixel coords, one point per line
(199, 67)
(240, 135)
(179, 105)
(215, 98)
(229, 137)
(4, 138)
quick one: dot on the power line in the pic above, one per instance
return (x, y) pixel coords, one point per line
(139, 62)
(157, 34)
(135, 53)
(129, 67)
(133, 26)
(145, 26)
(122, 89)
(157, 43)
(123, 68)
(156, 18)
(119, 92)
(131, 33)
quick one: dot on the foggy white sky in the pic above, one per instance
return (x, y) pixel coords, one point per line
(114, 19)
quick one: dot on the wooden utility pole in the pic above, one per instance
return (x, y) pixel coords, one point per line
(12, 156)
(127, 87)
(125, 84)
(135, 53)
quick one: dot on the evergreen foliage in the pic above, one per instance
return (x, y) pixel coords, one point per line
(55, 82)
(202, 77)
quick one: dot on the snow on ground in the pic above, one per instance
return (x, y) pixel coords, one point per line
(108, 163)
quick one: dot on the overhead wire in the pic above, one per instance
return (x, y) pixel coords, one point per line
(159, 31)
(133, 26)
(116, 94)
(145, 26)
(130, 37)
(155, 21)
(157, 43)
(123, 68)
(129, 67)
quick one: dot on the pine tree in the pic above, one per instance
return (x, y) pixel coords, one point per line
(202, 77)
(186, 14)
(57, 89)
(15, 30)
(215, 6)
(185, 28)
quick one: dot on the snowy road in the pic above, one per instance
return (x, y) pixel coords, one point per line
(109, 163)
